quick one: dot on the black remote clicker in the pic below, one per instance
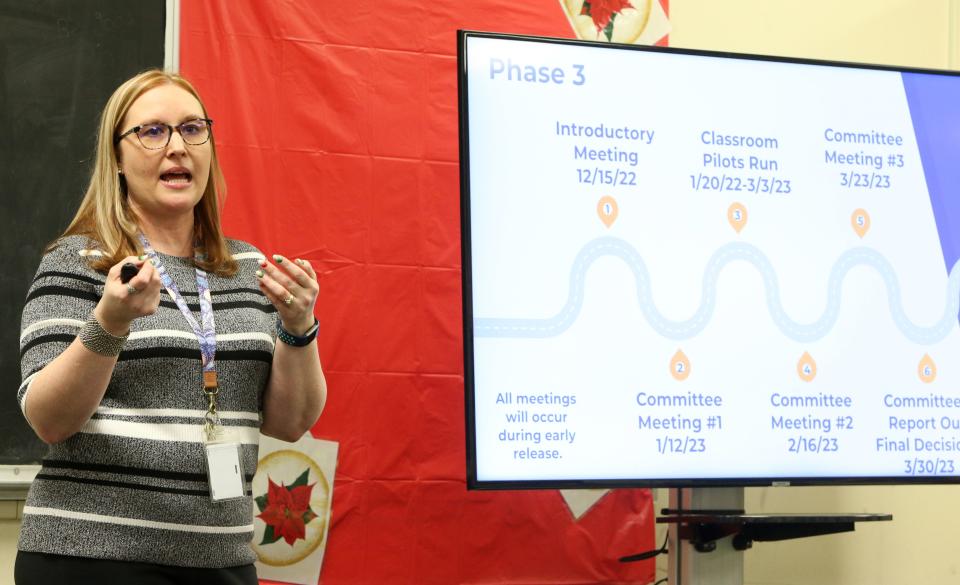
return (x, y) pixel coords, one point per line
(128, 271)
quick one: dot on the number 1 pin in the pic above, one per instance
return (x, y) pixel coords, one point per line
(607, 210)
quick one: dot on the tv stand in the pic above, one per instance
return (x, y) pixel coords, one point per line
(713, 521)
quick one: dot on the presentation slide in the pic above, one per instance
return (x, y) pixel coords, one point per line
(704, 267)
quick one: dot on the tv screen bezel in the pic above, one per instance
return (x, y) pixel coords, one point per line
(473, 483)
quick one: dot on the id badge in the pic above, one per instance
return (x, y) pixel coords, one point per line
(224, 471)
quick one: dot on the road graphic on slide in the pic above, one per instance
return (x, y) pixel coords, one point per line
(732, 252)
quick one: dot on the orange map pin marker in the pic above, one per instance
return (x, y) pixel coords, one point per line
(607, 210)
(927, 369)
(679, 366)
(737, 216)
(807, 368)
(860, 220)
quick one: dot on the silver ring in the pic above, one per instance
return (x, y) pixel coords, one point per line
(132, 289)
(288, 301)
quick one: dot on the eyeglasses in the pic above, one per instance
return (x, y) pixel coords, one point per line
(156, 136)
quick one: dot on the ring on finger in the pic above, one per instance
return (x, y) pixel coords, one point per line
(288, 301)
(132, 289)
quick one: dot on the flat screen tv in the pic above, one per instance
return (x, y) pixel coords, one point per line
(686, 268)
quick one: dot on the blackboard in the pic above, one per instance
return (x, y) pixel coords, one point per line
(59, 62)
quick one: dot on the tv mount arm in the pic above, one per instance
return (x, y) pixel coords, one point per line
(701, 518)
(703, 528)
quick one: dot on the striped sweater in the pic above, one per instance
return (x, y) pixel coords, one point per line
(131, 484)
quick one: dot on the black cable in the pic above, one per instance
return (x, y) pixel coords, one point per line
(648, 554)
(664, 580)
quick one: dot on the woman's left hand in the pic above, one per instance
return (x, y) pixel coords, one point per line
(292, 287)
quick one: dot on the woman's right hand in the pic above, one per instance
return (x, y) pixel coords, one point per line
(120, 304)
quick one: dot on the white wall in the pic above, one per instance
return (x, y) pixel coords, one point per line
(10, 514)
(894, 32)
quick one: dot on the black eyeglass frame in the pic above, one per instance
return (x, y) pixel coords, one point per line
(170, 131)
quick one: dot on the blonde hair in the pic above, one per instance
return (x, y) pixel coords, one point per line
(105, 215)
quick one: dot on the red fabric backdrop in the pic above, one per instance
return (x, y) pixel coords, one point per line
(336, 125)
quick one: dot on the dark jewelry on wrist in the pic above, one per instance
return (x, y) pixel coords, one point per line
(99, 340)
(298, 340)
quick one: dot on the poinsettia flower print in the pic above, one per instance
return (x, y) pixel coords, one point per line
(603, 12)
(286, 511)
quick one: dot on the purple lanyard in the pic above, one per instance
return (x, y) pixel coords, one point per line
(205, 331)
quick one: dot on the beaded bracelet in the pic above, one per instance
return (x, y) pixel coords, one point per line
(298, 340)
(99, 340)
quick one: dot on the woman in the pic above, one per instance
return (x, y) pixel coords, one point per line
(151, 391)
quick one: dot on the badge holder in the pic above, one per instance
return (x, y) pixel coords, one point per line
(224, 466)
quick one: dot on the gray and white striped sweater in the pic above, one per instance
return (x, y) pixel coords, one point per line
(132, 485)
